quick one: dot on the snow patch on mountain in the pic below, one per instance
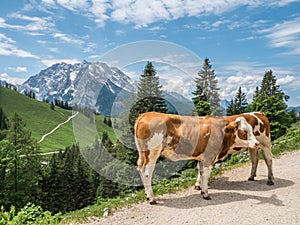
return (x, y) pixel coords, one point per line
(81, 81)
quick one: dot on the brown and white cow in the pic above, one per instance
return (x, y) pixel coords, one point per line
(206, 139)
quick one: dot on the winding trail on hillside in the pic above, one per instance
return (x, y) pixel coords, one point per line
(53, 130)
(234, 200)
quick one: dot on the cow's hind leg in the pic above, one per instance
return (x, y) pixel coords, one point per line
(198, 181)
(205, 174)
(146, 169)
(268, 157)
(254, 161)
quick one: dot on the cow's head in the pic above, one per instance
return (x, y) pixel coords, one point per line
(241, 134)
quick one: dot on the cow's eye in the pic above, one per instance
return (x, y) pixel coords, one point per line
(242, 134)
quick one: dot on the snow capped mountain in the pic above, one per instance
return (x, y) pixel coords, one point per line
(89, 84)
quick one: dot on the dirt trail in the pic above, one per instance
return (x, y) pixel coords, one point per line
(55, 128)
(234, 200)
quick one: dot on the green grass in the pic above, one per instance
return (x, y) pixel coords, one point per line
(38, 116)
(288, 142)
(41, 119)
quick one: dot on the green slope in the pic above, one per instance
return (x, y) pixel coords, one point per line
(40, 119)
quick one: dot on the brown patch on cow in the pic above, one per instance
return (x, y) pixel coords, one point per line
(261, 127)
(242, 134)
(143, 159)
(265, 127)
(142, 133)
(228, 140)
(256, 133)
(253, 121)
(173, 130)
(204, 133)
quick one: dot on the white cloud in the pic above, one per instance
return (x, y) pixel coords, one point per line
(6, 39)
(98, 10)
(56, 50)
(18, 69)
(119, 32)
(7, 48)
(249, 75)
(68, 39)
(49, 2)
(286, 34)
(11, 80)
(285, 80)
(33, 24)
(73, 5)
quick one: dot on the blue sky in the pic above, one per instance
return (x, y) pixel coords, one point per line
(242, 38)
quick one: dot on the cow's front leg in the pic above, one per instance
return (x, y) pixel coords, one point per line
(198, 181)
(204, 181)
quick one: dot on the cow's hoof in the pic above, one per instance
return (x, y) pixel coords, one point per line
(270, 182)
(251, 179)
(207, 197)
(198, 188)
(153, 202)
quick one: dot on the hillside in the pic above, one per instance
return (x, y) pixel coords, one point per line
(41, 119)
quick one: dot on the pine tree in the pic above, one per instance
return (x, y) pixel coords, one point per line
(52, 106)
(239, 104)
(206, 91)
(3, 124)
(53, 184)
(271, 100)
(201, 103)
(149, 95)
(22, 169)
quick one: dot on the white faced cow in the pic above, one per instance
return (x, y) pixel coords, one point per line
(205, 139)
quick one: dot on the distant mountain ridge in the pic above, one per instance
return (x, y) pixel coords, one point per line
(89, 84)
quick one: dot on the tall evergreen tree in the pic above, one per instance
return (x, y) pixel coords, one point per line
(202, 106)
(239, 104)
(3, 124)
(272, 101)
(149, 95)
(206, 98)
(21, 169)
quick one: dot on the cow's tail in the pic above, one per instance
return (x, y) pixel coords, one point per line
(140, 161)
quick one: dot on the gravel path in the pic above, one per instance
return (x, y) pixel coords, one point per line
(234, 200)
